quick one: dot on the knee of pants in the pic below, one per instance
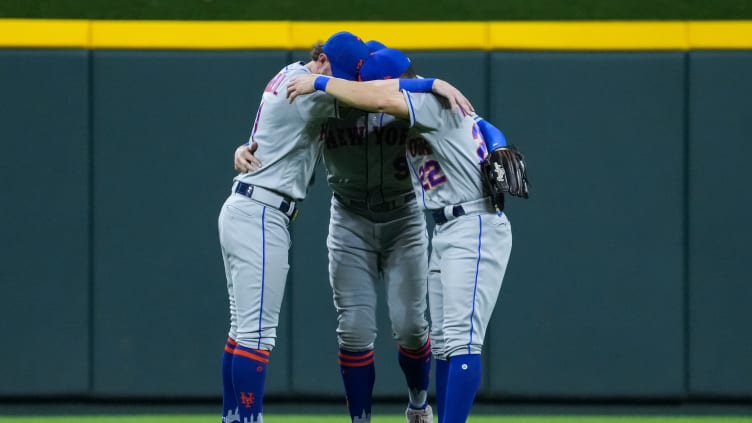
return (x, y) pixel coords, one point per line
(456, 342)
(356, 340)
(257, 341)
(450, 349)
(356, 329)
(257, 344)
(411, 336)
(438, 348)
(354, 337)
(438, 343)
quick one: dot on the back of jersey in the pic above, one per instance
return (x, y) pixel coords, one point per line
(446, 161)
(288, 135)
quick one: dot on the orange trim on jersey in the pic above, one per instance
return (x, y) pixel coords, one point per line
(232, 341)
(253, 355)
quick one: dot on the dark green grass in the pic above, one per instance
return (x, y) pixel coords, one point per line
(378, 10)
(383, 419)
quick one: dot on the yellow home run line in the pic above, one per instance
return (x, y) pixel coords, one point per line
(471, 35)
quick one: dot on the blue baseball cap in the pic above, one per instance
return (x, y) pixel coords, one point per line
(386, 63)
(346, 53)
(375, 46)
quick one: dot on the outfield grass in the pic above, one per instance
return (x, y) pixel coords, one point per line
(382, 419)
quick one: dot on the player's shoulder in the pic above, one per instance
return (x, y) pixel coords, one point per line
(429, 104)
(295, 69)
(431, 112)
(426, 98)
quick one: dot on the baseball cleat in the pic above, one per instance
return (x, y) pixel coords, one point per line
(424, 415)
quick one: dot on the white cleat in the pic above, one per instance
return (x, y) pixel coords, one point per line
(419, 416)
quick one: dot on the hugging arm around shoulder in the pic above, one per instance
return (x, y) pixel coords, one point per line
(373, 96)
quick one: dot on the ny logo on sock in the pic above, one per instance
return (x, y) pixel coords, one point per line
(247, 398)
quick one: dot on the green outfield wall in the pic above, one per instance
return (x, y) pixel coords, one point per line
(627, 280)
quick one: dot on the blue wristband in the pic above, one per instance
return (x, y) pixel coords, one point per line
(320, 83)
(417, 85)
(492, 135)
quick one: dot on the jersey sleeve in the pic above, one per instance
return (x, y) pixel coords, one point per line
(427, 112)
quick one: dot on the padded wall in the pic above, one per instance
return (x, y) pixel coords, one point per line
(166, 126)
(593, 302)
(627, 276)
(720, 123)
(44, 222)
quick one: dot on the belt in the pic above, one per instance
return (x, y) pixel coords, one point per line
(384, 206)
(268, 197)
(445, 214)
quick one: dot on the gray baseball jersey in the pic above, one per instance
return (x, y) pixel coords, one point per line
(471, 241)
(287, 136)
(253, 231)
(364, 156)
(376, 231)
(445, 159)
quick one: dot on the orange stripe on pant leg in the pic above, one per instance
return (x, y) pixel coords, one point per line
(252, 356)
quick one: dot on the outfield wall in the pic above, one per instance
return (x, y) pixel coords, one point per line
(627, 278)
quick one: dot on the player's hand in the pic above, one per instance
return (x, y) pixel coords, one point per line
(245, 161)
(300, 85)
(456, 99)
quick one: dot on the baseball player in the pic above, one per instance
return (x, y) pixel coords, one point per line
(472, 240)
(259, 260)
(253, 222)
(377, 234)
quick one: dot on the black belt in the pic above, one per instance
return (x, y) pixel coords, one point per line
(445, 214)
(439, 217)
(268, 197)
(381, 207)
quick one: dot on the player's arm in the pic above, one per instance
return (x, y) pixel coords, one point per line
(492, 135)
(373, 96)
(377, 96)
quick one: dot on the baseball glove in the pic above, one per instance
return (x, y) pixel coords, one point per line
(504, 171)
